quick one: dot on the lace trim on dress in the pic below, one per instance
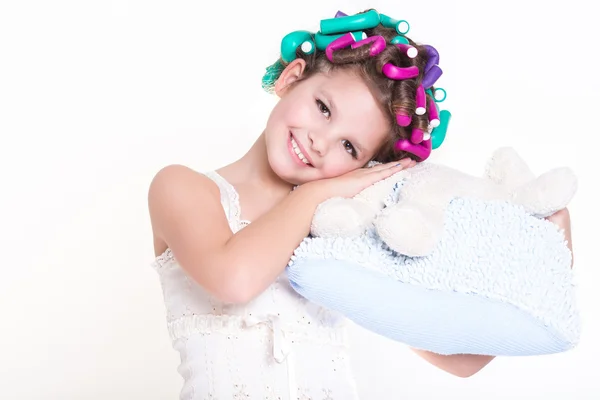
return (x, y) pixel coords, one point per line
(233, 197)
(233, 325)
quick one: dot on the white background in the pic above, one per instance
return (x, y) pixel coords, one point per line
(97, 96)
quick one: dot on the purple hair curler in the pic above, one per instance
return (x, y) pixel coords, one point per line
(398, 73)
(433, 57)
(377, 47)
(339, 43)
(420, 100)
(340, 14)
(431, 76)
(421, 150)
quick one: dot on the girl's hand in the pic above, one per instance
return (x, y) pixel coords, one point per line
(563, 220)
(354, 182)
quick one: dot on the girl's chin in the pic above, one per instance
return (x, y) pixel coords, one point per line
(293, 176)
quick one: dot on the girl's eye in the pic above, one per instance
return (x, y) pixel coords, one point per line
(349, 148)
(323, 108)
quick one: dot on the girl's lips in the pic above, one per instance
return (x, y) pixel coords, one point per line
(302, 149)
(293, 153)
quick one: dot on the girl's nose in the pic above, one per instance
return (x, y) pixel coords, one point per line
(317, 142)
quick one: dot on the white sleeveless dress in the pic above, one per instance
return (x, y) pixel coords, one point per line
(277, 347)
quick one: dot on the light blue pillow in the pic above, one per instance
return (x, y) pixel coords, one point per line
(498, 283)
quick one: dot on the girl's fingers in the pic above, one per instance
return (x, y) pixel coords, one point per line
(405, 163)
(396, 165)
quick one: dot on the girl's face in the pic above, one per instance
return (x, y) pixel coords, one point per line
(323, 127)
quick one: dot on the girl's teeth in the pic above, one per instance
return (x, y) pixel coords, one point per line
(298, 152)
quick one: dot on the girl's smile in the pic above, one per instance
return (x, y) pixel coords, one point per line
(298, 152)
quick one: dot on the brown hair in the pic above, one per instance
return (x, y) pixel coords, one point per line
(392, 95)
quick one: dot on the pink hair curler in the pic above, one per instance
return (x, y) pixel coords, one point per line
(339, 43)
(421, 150)
(398, 73)
(416, 136)
(407, 49)
(421, 100)
(434, 119)
(402, 119)
(377, 47)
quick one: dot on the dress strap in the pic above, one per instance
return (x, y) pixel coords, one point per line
(230, 200)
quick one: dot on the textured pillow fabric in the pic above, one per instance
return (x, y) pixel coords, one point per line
(499, 282)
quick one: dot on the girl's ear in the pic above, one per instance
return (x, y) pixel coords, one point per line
(292, 72)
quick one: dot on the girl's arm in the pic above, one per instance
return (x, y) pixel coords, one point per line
(186, 213)
(562, 218)
(465, 365)
(461, 365)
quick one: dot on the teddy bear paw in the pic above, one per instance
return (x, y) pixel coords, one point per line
(549, 192)
(406, 231)
(342, 217)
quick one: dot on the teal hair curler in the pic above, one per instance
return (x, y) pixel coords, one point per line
(350, 23)
(439, 133)
(401, 26)
(293, 40)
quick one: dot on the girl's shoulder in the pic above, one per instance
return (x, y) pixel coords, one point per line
(179, 180)
(177, 195)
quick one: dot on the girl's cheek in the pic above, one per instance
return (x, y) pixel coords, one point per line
(336, 167)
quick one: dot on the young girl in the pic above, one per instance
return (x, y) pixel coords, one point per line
(223, 238)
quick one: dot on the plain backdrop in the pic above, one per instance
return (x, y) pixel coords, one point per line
(97, 96)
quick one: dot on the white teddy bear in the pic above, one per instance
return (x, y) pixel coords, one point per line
(412, 224)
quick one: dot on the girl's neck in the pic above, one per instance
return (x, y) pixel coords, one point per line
(253, 169)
